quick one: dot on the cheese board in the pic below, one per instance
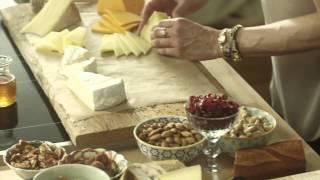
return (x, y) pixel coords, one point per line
(154, 85)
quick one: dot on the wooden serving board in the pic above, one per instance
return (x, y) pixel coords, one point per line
(91, 128)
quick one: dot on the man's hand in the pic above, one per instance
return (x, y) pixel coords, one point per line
(180, 37)
(174, 8)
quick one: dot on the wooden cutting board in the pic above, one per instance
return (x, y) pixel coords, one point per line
(92, 128)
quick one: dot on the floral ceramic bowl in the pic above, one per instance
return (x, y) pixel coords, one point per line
(33, 153)
(232, 144)
(184, 153)
(111, 162)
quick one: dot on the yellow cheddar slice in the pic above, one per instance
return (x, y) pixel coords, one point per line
(122, 17)
(99, 28)
(75, 37)
(133, 6)
(109, 22)
(154, 20)
(53, 42)
(130, 26)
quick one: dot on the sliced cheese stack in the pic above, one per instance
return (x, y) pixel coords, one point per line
(124, 44)
(116, 21)
(96, 91)
(193, 172)
(54, 16)
(133, 6)
(154, 20)
(56, 41)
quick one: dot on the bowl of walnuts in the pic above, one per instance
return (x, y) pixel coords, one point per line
(252, 127)
(27, 158)
(168, 137)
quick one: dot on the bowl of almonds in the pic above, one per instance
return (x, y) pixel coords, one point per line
(168, 137)
(27, 158)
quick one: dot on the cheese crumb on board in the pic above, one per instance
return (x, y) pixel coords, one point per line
(193, 172)
(98, 92)
(54, 16)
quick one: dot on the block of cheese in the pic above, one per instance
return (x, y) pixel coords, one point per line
(193, 172)
(54, 16)
(133, 6)
(74, 54)
(53, 42)
(83, 66)
(154, 20)
(118, 51)
(75, 37)
(97, 91)
(100, 28)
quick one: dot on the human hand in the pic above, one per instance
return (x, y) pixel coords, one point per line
(183, 38)
(174, 8)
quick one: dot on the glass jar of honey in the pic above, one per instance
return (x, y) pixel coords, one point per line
(7, 83)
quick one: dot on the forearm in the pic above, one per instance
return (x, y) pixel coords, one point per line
(282, 37)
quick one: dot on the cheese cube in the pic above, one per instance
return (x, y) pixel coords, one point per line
(193, 172)
(96, 91)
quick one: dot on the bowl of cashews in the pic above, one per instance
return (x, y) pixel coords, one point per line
(252, 128)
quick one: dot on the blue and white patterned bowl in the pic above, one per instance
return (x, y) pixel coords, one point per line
(184, 153)
(232, 144)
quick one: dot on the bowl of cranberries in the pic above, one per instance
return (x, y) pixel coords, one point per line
(211, 111)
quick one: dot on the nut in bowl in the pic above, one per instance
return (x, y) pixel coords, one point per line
(27, 158)
(253, 127)
(111, 162)
(168, 137)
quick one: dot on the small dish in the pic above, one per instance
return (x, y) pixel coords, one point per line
(111, 162)
(72, 172)
(232, 144)
(184, 153)
(23, 172)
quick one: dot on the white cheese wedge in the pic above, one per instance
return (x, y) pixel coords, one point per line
(75, 37)
(96, 91)
(73, 54)
(51, 42)
(54, 16)
(193, 172)
(84, 66)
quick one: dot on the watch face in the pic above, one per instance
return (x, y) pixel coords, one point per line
(222, 38)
